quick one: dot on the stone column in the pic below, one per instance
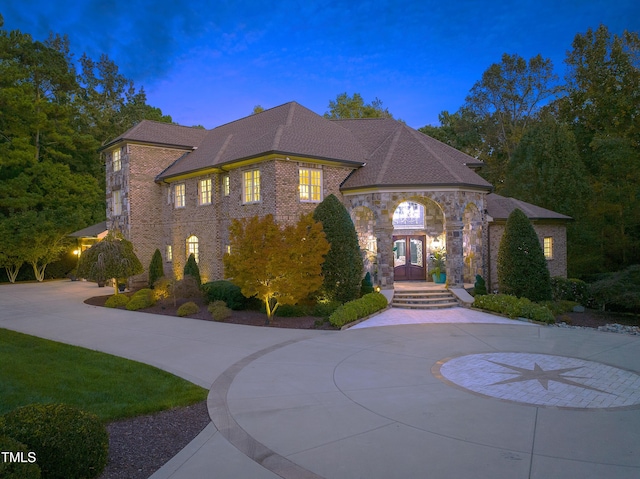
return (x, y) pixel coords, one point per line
(384, 237)
(455, 254)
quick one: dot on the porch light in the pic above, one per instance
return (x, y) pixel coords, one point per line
(377, 289)
(77, 252)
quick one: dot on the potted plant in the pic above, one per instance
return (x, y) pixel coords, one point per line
(438, 259)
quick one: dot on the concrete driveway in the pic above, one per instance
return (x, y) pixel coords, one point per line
(434, 400)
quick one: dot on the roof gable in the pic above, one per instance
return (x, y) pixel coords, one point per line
(500, 207)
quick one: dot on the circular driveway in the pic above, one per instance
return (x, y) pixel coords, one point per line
(438, 400)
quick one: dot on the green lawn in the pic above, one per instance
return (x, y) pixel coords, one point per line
(34, 370)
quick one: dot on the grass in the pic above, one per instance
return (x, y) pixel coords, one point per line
(37, 370)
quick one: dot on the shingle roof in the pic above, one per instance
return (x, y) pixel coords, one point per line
(401, 156)
(148, 131)
(383, 151)
(500, 207)
(92, 231)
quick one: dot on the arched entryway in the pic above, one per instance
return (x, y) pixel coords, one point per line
(418, 231)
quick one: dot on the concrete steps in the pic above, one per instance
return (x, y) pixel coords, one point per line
(424, 299)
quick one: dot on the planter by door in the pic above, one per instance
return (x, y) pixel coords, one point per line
(439, 279)
(409, 261)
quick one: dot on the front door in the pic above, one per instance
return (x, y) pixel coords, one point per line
(408, 258)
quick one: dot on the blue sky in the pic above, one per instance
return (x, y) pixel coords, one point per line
(210, 62)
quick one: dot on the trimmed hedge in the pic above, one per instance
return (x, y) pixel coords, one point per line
(359, 308)
(219, 310)
(225, 291)
(571, 290)
(514, 307)
(187, 309)
(68, 442)
(18, 470)
(117, 301)
(141, 299)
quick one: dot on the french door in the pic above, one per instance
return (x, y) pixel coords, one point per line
(408, 258)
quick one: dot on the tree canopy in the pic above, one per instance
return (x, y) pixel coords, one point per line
(277, 265)
(346, 106)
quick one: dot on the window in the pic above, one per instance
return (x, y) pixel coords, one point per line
(179, 195)
(548, 247)
(310, 184)
(192, 247)
(204, 192)
(225, 185)
(116, 160)
(116, 202)
(169, 254)
(251, 186)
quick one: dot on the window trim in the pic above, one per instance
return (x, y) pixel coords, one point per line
(169, 253)
(182, 196)
(254, 195)
(226, 182)
(116, 203)
(201, 192)
(193, 246)
(547, 247)
(116, 160)
(309, 185)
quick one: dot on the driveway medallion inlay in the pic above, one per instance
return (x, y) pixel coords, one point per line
(542, 380)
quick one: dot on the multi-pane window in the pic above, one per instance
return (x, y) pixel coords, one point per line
(225, 185)
(251, 186)
(169, 254)
(310, 185)
(548, 247)
(116, 202)
(204, 192)
(179, 195)
(116, 160)
(192, 247)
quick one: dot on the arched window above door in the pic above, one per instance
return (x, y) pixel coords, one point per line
(408, 215)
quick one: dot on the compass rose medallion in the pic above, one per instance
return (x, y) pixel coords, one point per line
(542, 380)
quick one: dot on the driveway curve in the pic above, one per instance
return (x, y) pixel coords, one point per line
(435, 400)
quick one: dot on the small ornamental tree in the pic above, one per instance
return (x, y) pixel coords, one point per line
(278, 265)
(111, 258)
(156, 268)
(522, 267)
(191, 269)
(342, 269)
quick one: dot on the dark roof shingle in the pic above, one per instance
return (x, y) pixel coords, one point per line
(500, 207)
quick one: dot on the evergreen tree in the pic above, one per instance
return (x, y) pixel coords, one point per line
(342, 269)
(156, 269)
(191, 269)
(522, 267)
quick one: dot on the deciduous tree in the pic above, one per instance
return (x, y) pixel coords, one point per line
(277, 265)
(354, 107)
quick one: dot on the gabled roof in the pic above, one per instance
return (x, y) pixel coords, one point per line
(401, 156)
(500, 207)
(93, 231)
(382, 151)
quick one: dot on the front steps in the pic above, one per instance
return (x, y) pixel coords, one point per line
(433, 298)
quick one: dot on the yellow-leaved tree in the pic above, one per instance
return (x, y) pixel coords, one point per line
(277, 265)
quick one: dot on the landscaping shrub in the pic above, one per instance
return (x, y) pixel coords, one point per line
(68, 442)
(191, 269)
(141, 299)
(559, 307)
(619, 291)
(187, 288)
(187, 309)
(359, 308)
(522, 267)
(366, 286)
(225, 291)
(514, 307)
(570, 290)
(342, 267)
(292, 310)
(18, 470)
(219, 310)
(156, 268)
(117, 301)
(479, 287)
(163, 288)
(324, 309)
